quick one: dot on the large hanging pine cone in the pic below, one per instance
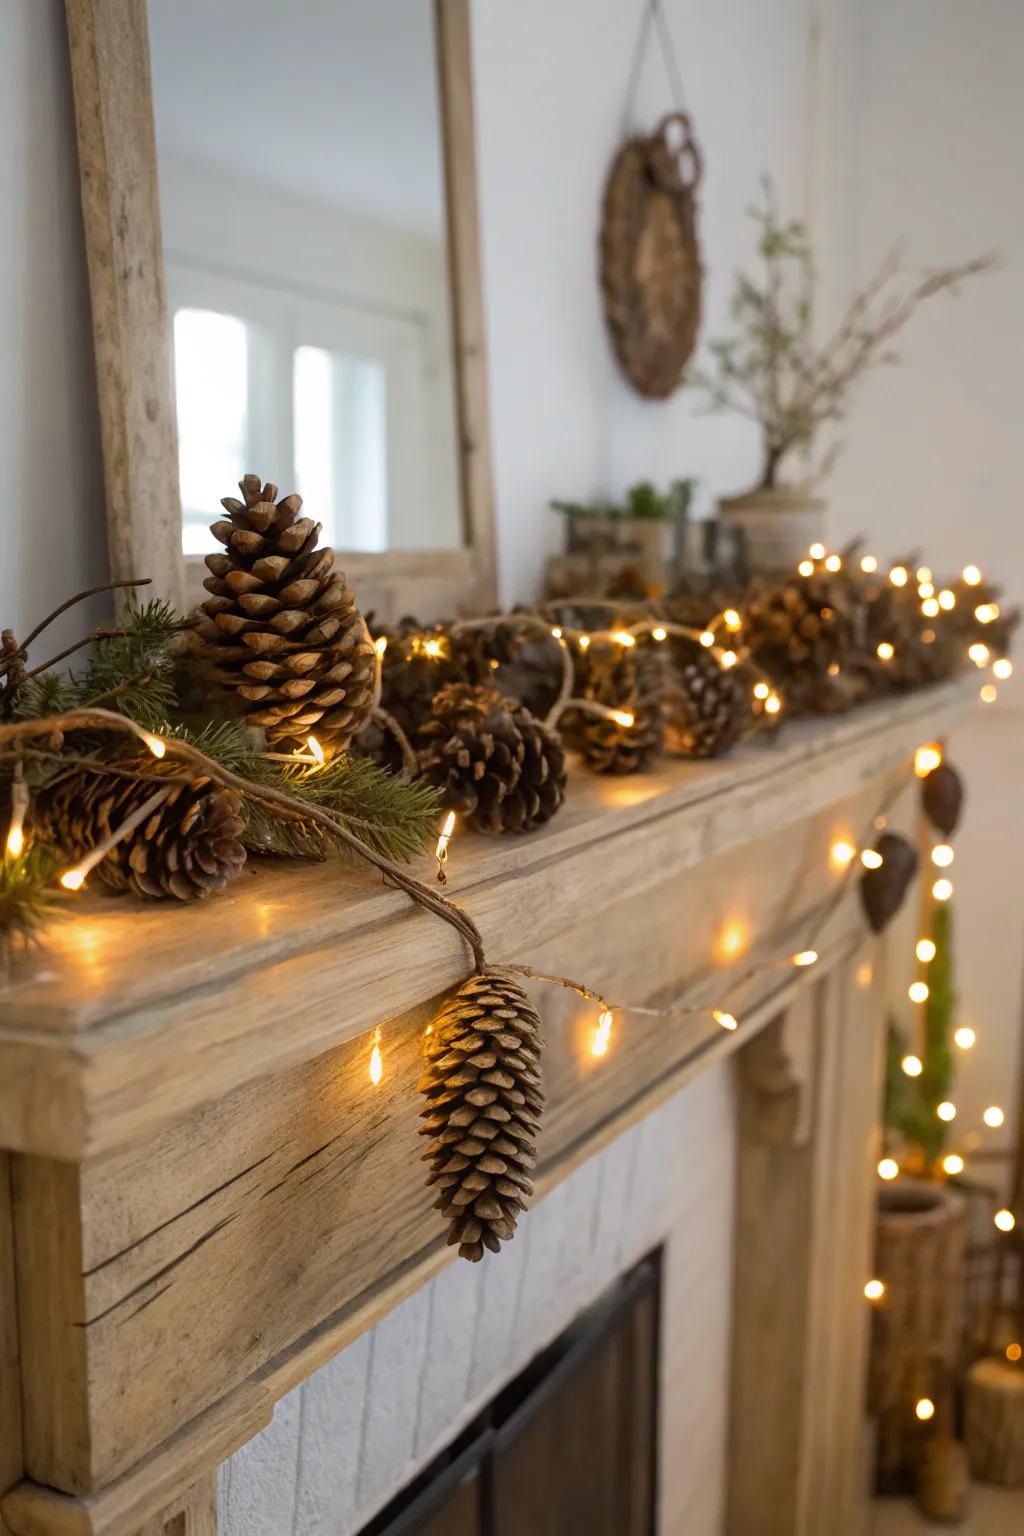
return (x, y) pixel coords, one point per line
(627, 678)
(497, 765)
(188, 847)
(482, 1086)
(706, 705)
(280, 633)
(804, 634)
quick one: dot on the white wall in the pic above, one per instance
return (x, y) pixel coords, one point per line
(53, 522)
(933, 447)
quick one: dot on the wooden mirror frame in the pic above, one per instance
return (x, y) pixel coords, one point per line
(110, 67)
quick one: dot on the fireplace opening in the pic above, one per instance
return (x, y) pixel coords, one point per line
(569, 1446)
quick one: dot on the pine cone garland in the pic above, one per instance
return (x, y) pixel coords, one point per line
(484, 1100)
(706, 705)
(189, 847)
(498, 766)
(419, 660)
(627, 678)
(803, 633)
(280, 634)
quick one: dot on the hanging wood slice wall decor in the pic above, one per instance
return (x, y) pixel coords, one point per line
(650, 261)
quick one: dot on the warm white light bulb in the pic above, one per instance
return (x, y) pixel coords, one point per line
(1002, 668)
(72, 879)
(732, 620)
(726, 1020)
(971, 575)
(947, 599)
(874, 1290)
(898, 575)
(986, 613)
(380, 645)
(556, 633)
(885, 650)
(623, 637)
(376, 1061)
(659, 633)
(15, 839)
(871, 859)
(953, 1163)
(841, 853)
(156, 745)
(817, 551)
(1005, 1220)
(989, 693)
(930, 608)
(942, 890)
(888, 1168)
(993, 1117)
(964, 1037)
(946, 1111)
(707, 639)
(584, 642)
(761, 690)
(942, 855)
(868, 564)
(805, 957)
(833, 563)
(314, 749)
(912, 1066)
(978, 653)
(772, 704)
(602, 1034)
(925, 1409)
(923, 574)
(805, 568)
(918, 991)
(728, 659)
(622, 717)
(925, 950)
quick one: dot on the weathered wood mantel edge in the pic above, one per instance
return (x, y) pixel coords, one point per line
(89, 1059)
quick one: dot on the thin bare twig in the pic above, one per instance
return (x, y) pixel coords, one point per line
(80, 597)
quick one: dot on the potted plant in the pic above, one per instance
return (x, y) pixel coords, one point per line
(622, 548)
(774, 371)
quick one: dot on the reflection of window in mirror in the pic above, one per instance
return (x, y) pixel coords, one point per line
(306, 263)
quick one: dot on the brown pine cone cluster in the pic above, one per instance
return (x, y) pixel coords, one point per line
(188, 847)
(280, 635)
(498, 766)
(706, 705)
(801, 633)
(482, 1085)
(631, 679)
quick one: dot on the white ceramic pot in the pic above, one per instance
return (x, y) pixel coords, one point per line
(779, 525)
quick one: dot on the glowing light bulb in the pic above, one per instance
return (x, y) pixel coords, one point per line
(874, 1290)
(885, 651)
(726, 1020)
(918, 991)
(993, 1117)
(16, 837)
(805, 568)
(842, 853)
(926, 590)
(728, 659)
(556, 633)
(888, 1169)
(732, 941)
(447, 828)
(870, 859)
(659, 633)
(707, 639)
(1005, 1220)
(942, 855)
(868, 564)
(433, 648)
(989, 693)
(156, 744)
(947, 599)
(925, 950)
(817, 551)
(772, 704)
(73, 879)
(946, 1111)
(623, 637)
(942, 890)
(761, 690)
(912, 1066)
(971, 575)
(978, 653)
(927, 759)
(964, 1037)
(930, 608)
(622, 717)
(986, 613)
(602, 1034)
(923, 574)
(1003, 668)
(732, 620)
(898, 575)
(376, 1061)
(1013, 1353)
(953, 1164)
(380, 645)
(805, 957)
(584, 642)
(925, 1409)
(833, 563)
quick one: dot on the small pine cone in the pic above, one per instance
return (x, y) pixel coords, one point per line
(188, 847)
(516, 657)
(380, 745)
(498, 766)
(707, 705)
(629, 678)
(280, 634)
(419, 660)
(801, 633)
(484, 1099)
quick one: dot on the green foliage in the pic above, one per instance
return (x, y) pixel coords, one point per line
(27, 897)
(129, 669)
(911, 1103)
(643, 503)
(391, 816)
(773, 371)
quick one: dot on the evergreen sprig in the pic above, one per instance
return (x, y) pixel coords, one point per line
(27, 896)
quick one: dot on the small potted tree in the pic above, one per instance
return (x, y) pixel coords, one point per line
(773, 371)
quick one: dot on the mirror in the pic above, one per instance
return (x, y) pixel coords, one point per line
(283, 193)
(300, 169)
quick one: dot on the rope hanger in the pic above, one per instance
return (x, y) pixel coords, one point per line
(653, 18)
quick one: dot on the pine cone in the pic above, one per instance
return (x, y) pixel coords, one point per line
(419, 660)
(189, 847)
(706, 705)
(497, 765)
(482, 1086)
(629, 678)
(281, 634)
(517, 658)
(801, 634)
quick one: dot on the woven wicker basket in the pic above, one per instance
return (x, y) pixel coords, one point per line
(919, 1255)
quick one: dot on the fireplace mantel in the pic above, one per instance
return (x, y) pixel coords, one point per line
(210, 1198)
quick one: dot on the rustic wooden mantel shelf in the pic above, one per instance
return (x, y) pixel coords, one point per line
(208, 1196)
